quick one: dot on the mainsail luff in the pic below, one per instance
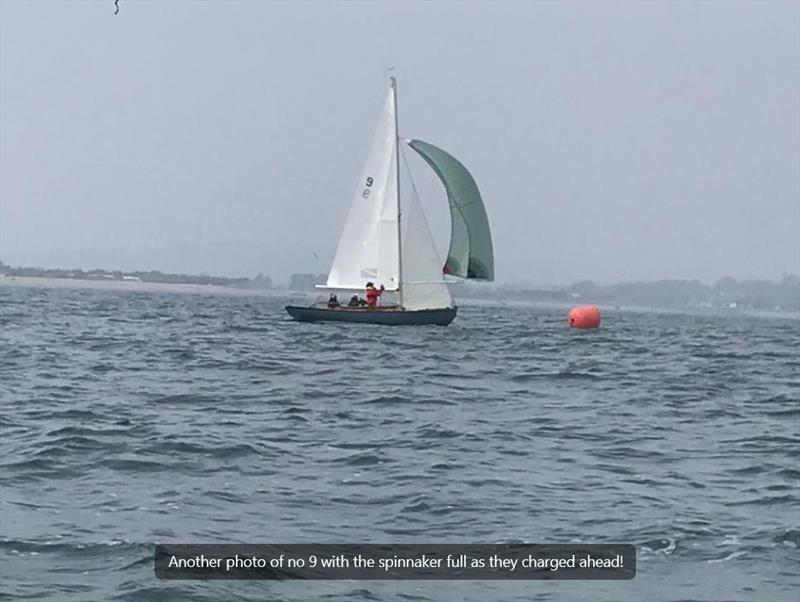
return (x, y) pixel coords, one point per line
(399, 198)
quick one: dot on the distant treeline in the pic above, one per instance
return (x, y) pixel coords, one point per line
(727, 293)
(259, 282)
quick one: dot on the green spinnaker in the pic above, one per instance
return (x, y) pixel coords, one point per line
(470, 254)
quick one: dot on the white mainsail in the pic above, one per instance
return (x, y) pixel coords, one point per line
(369, 246)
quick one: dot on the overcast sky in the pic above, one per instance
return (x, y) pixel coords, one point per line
(610, 141)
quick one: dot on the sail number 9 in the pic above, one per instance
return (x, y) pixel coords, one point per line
(365, 193)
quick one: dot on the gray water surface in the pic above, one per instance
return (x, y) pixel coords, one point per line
(129, 419)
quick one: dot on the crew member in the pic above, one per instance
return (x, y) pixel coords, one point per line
(373, 294)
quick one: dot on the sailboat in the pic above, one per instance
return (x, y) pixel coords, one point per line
(386, 238)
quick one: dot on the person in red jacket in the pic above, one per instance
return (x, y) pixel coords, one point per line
(373, 294)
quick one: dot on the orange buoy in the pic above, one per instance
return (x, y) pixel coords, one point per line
(584, 316)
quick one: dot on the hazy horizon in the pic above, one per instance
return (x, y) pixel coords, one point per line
(611, 141)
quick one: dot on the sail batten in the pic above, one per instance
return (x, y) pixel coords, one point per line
(471, 254)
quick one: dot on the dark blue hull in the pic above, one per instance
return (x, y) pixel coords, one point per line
(389, 317)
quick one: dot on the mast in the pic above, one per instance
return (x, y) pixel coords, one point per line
(399, 213)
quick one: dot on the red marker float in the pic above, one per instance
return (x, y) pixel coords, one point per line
(584, 316)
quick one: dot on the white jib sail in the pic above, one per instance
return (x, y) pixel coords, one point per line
(369, 249)
(423, 282)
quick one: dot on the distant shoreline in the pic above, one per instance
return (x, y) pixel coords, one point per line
(130, 286)
(725, 297)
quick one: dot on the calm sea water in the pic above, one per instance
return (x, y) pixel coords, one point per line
(134, 418)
